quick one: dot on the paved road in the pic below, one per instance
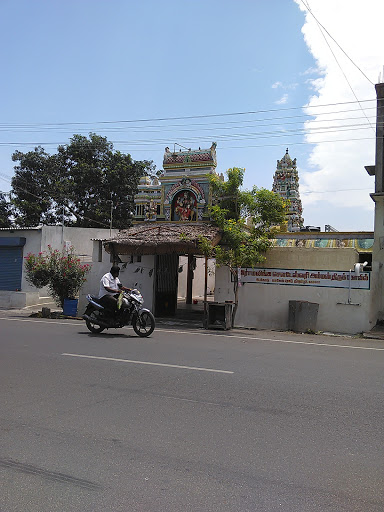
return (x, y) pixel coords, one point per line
(188, 421)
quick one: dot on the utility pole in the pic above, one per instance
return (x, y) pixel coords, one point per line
(377, 171)
(110, 222)
(62, 226)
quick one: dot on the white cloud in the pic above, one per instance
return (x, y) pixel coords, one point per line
(292, 86)
(310, 71)
(334, 166)
(282, 100)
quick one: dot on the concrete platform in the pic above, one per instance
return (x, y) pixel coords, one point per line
(377, 333)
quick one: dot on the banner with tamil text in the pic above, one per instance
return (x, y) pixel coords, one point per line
(330, 278)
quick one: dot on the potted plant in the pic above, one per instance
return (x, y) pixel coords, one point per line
(62, 272)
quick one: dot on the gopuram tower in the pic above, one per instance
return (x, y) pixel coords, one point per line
(286, 184)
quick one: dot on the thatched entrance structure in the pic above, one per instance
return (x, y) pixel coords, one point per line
(167, 238)
(166, 242)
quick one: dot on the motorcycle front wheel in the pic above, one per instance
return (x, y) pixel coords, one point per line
(143, 324)
(92, 326)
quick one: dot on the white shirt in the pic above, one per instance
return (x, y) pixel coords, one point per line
(109, 281)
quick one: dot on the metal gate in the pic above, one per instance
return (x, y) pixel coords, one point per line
(166, 284)
(11, 266)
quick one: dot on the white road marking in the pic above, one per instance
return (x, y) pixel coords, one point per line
(149, 363)
(274, 339)
(235, 336)
(34, 320)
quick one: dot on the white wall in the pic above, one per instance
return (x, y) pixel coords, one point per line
(29, 295)
(265, 306)
(37, 240)
(142, 279)
(32, 244)
(198, 277)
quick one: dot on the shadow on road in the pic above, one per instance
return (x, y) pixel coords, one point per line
(107, 335)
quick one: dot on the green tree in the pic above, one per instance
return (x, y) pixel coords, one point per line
(33, 185)
(246, 218)
(5, 212)
(85, 184)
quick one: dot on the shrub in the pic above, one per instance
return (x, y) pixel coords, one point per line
(62, 272)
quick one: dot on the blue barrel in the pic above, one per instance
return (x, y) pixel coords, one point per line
(70, 307)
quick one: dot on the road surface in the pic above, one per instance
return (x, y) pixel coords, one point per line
(188, 420)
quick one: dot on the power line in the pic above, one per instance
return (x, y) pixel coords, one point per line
(223, 137)
(203, 116)
(148, 146)
(103, 224)
(298, 143)
(222, 126)
(341, 69)
(334, 40)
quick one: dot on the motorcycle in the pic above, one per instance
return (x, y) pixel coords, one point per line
(130, 310)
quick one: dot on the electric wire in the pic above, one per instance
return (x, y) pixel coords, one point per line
(334, 40)
(223, 137)
(302, 192)
(205, 127)
(203, 116)
(139, 143)
(338, 63)
(153, 147)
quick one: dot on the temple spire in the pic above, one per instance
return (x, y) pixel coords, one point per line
(286, 184)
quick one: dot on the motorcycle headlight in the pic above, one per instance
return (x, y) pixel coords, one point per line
(138, 298)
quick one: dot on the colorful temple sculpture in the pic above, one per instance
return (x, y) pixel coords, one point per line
(183, 194)
(286, 184)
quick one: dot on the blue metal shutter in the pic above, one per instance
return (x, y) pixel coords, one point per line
(11, 266)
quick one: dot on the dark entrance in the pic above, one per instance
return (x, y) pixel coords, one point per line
(166, 284)
(11, 262)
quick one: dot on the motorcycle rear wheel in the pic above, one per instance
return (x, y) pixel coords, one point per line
(92, 326)
(144, 324)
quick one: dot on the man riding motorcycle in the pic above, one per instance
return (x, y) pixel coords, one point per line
(110, 287)
(117, 306)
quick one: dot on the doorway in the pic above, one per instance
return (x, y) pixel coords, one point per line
(166, 284)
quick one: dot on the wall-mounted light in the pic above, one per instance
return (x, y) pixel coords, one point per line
(359, 267)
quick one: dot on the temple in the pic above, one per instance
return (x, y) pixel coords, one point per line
(286, 184)
(171, 215)
(183, 194)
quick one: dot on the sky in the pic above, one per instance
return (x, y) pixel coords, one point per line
(255, 76)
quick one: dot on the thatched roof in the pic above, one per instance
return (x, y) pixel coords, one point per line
(162, 238)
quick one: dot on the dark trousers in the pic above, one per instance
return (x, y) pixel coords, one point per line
(109, 302)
